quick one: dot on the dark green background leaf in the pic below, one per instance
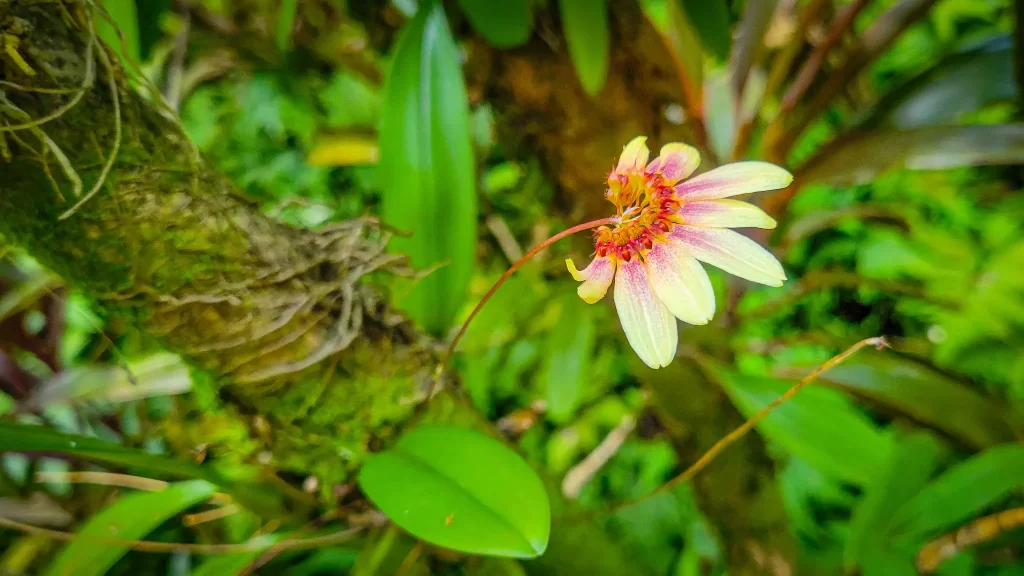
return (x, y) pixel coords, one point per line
(505, 24)
(585, 25)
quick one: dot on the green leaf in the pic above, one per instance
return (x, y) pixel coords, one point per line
(459, 489)
(427, 167)
(711, 19)
(570, 349)
(585, 24)
(505, 24)
(130, 518)
(818, 425)
(230, 564)
(926, 395)
(285, 22)
(29, 438)
(859, 157)
(125, 19)
(960, 493)
(151, 12)
(912, 462)
(960, 84)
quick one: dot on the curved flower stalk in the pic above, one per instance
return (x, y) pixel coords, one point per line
(665, 227)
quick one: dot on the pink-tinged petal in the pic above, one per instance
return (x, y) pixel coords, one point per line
(733, 179)
(649, 326)
(681, 283)
(730, 251)
(634, 155)
(725, 214)
(675, 162)
(596, 278)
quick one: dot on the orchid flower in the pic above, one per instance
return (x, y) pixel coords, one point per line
(665, 226)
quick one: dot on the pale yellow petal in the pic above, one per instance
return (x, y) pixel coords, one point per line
(725, 214)
(596, 278)
(681, 283)
(733, 179)
(649, 326)
(730, 251)
(634, 155)
(675, 162)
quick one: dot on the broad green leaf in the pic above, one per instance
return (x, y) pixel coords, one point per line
(569, 351)
(926, 395)
(960, 493)
(427, 167)
(585, 25)
(711, 19)
(459, 489)
(859, 157)
(29, 438)
(913, 461)
(130, 518)
(505, 24)
(819, 425)
(123, 18)
(959, 84)
(285, 22)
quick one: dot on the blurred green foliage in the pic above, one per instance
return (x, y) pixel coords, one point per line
(895, 450)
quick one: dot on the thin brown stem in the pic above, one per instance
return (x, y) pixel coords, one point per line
(809, 71)
(515, 266)
(743, 429)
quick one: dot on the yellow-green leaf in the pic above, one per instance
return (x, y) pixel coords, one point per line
(344, 150)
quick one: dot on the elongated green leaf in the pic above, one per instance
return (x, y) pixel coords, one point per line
(504, 24)
(123, 18)
(28, 438)
(711, 19)
(285, 22)
(151, 12)
(244, 484)
(230, 564)
(427, 167)
(913, 461)
(860, 157)
(461, 490)
(130, 518)
(964, 82)
(570, 348)
(961, 492)
(926, 395)
(818, 425)
(585, 25)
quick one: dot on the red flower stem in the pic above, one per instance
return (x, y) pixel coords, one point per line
(515, 266)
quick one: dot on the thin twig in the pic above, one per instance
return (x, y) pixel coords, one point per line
(580, 474)
(741, 431)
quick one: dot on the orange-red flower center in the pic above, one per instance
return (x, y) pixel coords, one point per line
(648, 208)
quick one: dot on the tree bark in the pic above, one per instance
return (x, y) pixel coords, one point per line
(311, 355)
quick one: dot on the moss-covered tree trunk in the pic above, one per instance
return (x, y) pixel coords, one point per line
(102, 186)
